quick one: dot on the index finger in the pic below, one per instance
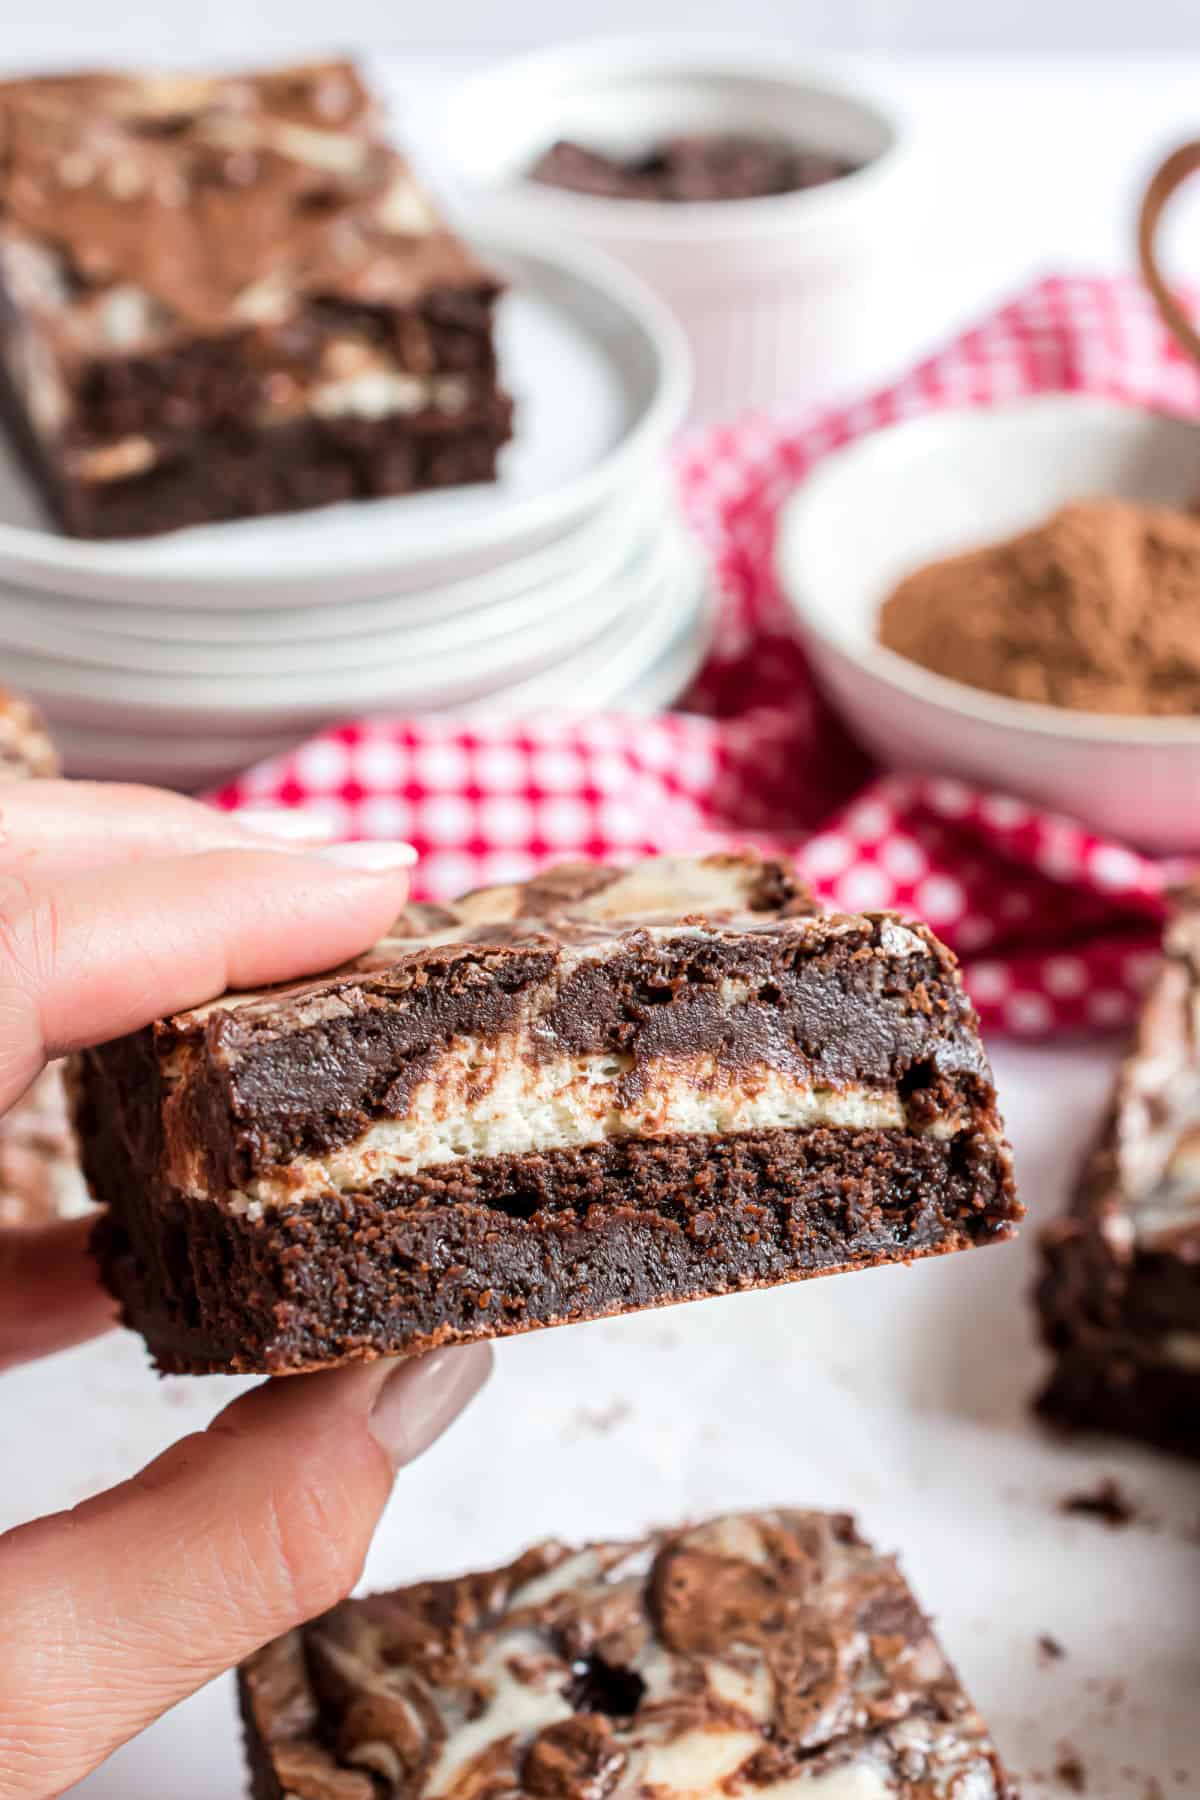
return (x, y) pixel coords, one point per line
(49, 828)
(94, 956)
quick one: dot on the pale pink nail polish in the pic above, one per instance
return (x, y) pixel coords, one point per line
(422, 1397)
(287, 825)
(369, 856)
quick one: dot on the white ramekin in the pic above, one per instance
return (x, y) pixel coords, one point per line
(787, 299)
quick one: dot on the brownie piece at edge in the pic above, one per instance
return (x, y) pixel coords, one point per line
(1119, 1292)
(39, 1169)
(227, 296)
(597, 1091)
(752, 1654)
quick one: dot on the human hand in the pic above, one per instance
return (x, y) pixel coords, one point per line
(117, 906)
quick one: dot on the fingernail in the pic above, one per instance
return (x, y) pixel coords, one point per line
(286, 823)
(372, 855)
(422, 1397)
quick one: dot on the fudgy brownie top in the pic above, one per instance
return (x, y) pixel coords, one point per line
(135, 208)
(760, 1654)
(682, 994)
(26, 748)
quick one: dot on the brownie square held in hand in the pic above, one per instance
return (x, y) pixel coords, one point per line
(597, 1091)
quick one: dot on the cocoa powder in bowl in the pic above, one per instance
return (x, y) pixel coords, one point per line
(1097, 610)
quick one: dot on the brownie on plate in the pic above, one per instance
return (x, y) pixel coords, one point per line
(222, 296)
(597, 1091)
(763, 1656)
(1119, 1295)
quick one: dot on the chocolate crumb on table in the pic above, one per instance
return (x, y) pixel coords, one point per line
(1049, 1649)
(1070, 1772)
(226, 295)
(769, 1656)
(691, 167)
(601, 1090)
(1119, 1294)
(1106, 1502)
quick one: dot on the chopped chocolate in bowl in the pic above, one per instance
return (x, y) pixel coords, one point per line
(691, 167)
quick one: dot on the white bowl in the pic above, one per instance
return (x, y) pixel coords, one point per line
(785, 299)
(875, 511)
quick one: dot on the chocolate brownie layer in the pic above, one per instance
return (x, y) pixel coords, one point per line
(602, 1091)
(1119, 1295)
(224, 296)
(773, 1655)
(490, 1249)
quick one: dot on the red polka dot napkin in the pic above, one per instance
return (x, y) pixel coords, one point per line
(1056, 927)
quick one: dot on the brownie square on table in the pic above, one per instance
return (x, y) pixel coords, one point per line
(762, 1656)
(224, 296)
(597, 1091)
(1119, 1295)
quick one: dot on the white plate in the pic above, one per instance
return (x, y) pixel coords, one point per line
(628, 653)
(917, 491)
(597, 546)
(543, 618)
(644, 660)
(451, 675)
(600, 376)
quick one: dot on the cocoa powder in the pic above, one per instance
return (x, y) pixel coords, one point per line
(1097, 610)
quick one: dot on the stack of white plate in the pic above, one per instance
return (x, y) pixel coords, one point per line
(567, 584)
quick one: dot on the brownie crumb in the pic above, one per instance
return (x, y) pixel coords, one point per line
(1106, 1502)
(603, 1419)
(1069, 1770)
(1049, 1649)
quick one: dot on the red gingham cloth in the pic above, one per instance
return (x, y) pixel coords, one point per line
(1056, 927)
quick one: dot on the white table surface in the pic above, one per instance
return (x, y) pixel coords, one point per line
(900, 1394)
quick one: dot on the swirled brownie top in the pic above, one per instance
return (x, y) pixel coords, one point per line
(772, 1655)
(681, 995)
(135, 208)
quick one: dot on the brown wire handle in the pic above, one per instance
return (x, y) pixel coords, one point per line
(1164, 183)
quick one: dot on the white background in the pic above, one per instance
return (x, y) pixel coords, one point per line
(75, 28)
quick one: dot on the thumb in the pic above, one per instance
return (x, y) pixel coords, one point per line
(111, 1613)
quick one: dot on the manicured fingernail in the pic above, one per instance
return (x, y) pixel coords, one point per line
(422, 1397)
(369, 855)
(287, 824)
